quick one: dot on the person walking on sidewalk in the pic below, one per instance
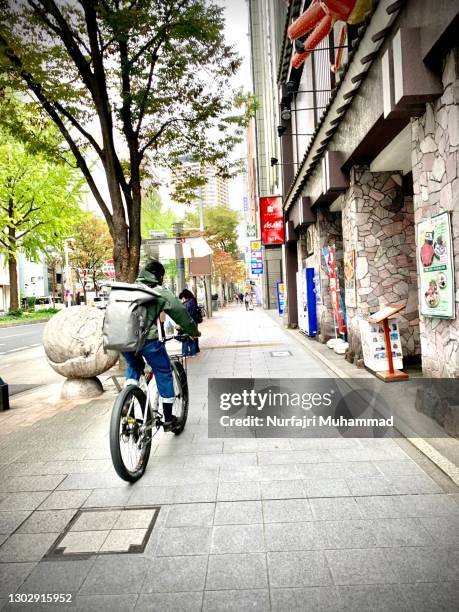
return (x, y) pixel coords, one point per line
(247, 300)
(154, 352)
(191, 345)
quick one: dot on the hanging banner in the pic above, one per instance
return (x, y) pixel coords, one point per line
(272, 220)
(349, 279)
(335, 296)
(280, 298)
(256, 257)
(436, 267)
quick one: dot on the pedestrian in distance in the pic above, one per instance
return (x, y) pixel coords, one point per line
(248, 301)
(191, 345)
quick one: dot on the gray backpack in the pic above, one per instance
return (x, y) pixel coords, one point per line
(125, 322)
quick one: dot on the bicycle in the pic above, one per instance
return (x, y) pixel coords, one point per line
(136, 413)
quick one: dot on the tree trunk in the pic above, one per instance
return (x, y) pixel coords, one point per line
(13, 273)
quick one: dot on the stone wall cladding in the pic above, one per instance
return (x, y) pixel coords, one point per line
(378, 223)
(435, 158)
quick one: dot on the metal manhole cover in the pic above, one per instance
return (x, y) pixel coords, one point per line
(105, 531)
(280, 353)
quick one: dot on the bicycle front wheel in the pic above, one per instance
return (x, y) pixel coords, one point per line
(180, 406)
(130, 433)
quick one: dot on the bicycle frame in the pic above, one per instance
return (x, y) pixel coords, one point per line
(146, 388)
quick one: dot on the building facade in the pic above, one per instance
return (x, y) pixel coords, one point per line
(266, 30)
(370, 174)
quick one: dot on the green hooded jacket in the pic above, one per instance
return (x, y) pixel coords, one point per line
(168, 303)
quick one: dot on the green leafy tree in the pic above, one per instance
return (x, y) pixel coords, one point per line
(131, 84)
(154, 216)
(92, 246)
(38, 204)
(220, 227)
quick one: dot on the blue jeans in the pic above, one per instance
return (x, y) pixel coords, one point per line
(156, 356)
(189, 347)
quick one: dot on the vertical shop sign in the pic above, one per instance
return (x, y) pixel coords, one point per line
(436, 267)
(280, 298)
(256, 257)
(349, 279)
(272, 220)
(335, 297)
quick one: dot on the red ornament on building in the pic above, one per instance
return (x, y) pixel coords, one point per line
(272, 220)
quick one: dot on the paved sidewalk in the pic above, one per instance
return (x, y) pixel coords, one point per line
(244, 524)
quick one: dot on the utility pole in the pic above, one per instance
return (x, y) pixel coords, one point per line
(68, 297)
(207, 278)
(179, 260)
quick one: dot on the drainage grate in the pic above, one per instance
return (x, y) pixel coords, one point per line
(280, 353)
(105, 531)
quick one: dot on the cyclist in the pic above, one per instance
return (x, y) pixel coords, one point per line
(154, 351)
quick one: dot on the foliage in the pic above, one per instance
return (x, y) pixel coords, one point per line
(220, 227)
(22, 316)
(134, 85)
(154, 216)
(92, 246)
(227, 268)
(38, 203)
(38, 199)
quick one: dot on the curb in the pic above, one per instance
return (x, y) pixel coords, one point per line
(441, 462)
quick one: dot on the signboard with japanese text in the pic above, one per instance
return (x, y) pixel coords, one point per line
(108, 269)
(349, 279)
(280, 298)
(251, 230)
(436, 267)
(272, 220)
(256, 257)
(374, 345)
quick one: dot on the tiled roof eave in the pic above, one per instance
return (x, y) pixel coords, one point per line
(370, 42)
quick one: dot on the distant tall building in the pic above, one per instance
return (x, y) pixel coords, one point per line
(215, 192)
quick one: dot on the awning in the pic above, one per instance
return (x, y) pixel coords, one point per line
(192, 247)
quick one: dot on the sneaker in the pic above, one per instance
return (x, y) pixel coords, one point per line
(169, 426)
(131, 382)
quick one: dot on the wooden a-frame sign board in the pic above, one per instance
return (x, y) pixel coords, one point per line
(382, 316)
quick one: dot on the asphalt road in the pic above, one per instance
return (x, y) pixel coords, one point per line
(20, 338)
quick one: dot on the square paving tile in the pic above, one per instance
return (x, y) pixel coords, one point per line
(95, 520)
(282, 489)
(377, 598)
(172, 574)
(57, 577)
(103, 603)
(327, 509)
(178, 541)
(12, 575)
(45, 521)
(114, 575)
(190, 601)
(360, 567)
(286, 511)
(10, 521)
(326, 488)
(22, 547)
(242, 571)
(238, 491)
(424, 564)
(238, 513)
(237, 539)
(242, 601)
(298, 569)
(23, 501)
(313, 599)
(61, 500)
(295, 536)
(189, 515)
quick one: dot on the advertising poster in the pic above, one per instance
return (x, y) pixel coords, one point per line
(436, 267)
(374, 345)
(335, 297)
(256, 257)
(349, 279)
(281, 298)
(272, 220)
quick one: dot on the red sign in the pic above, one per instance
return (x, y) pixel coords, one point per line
(109, 268)
(272, 220)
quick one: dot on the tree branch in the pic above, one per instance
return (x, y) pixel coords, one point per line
(37, 90)
(29, 230)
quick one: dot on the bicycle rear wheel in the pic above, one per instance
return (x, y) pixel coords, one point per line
(180, 406)
(130, 433)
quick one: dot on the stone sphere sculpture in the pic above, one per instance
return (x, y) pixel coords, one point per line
(73, 345)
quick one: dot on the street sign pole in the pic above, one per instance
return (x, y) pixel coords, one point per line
(179, 260)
